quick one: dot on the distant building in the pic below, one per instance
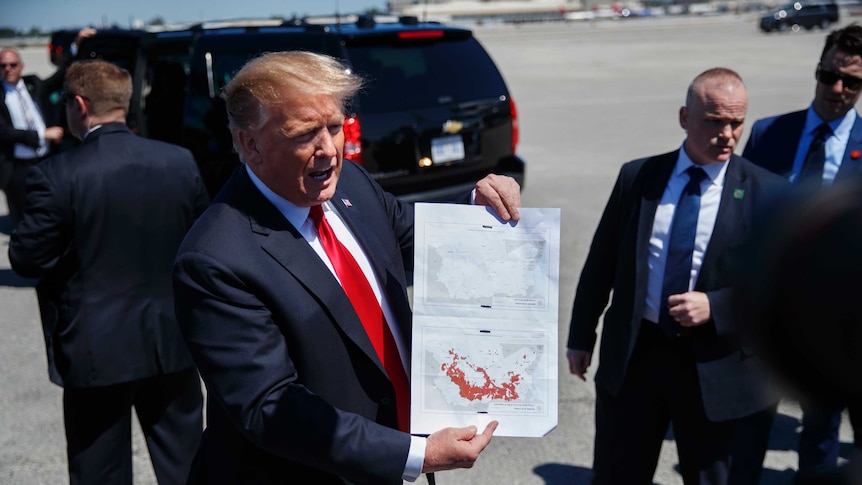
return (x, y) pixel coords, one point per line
(487, 10)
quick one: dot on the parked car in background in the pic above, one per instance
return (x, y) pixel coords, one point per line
(797, 15)
(435, 116)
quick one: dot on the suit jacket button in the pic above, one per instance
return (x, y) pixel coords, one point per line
(385, 401)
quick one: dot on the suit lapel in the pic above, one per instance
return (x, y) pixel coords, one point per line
(730, 219)
(850, 163)
(655, 174)
(785, 153)
(388, 270)
(354, 218)
(280, 240)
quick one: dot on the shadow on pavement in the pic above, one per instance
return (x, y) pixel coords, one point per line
(560, 474)
(9, 278)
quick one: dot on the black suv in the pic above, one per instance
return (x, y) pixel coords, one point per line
(434, 117)
(794, 16)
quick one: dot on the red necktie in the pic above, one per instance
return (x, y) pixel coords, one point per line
(365, 304)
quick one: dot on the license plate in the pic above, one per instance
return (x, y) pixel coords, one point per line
(447, 149)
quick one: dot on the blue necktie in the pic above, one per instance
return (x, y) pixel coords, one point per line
(812, 170)
(677, 269)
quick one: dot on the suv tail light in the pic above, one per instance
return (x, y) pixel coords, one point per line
(352, 139)
(516, 130)
(420, 34)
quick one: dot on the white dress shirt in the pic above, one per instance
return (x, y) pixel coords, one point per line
(710, 199)
(298, 217)
(19, 102)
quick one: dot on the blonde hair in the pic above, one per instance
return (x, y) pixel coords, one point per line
(266, 80)
(106, 86)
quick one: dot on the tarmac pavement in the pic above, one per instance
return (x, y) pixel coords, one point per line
(591, 96)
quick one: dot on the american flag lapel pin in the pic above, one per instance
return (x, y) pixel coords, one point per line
(346, 202)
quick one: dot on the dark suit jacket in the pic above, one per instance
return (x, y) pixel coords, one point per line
(101, 227)
(295, 388)
(39, 91)
(617, 261)
(773, 142)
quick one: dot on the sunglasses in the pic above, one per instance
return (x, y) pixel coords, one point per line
(13, 65)
(829, 78)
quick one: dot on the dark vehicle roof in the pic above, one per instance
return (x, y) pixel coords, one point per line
(434, 117)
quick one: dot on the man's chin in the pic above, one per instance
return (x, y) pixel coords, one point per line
(323, 195)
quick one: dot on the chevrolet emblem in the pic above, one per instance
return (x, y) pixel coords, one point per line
(452, 127)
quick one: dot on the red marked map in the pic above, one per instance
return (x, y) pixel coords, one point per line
(483, 371)
(476, 384)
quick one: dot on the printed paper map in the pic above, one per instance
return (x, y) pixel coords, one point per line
(485, 320)
(488, 268)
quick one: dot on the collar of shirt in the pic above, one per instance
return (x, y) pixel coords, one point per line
(715, 171)
(294, 214)
(12, 87)
(840, 127)
(91, 130)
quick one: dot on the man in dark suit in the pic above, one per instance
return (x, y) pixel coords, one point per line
(788, 145)
(101, 226)
(304, 378)
(668, 247)
(28, 130)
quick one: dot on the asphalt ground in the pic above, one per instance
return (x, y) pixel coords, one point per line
(590, 96)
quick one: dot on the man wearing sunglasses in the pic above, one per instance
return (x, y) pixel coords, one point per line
(28, 132)
(817, 147)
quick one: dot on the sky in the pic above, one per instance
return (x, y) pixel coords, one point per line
(55, 14)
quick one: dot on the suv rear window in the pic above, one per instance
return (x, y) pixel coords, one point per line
(228, 53)
(424, 74)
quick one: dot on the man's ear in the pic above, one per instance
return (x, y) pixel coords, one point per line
(247, 143)
(82, 106)
(683, 118)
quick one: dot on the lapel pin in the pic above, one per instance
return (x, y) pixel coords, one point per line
(855, 154)
(738, 194)
(346, 202)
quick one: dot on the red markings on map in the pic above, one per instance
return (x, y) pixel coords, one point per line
(474, 382)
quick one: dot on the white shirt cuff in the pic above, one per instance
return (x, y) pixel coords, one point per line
(415, 459)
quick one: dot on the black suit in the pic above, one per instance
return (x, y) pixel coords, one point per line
(13, 171)
(705, 376)
(295, 388)
(100, 230)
